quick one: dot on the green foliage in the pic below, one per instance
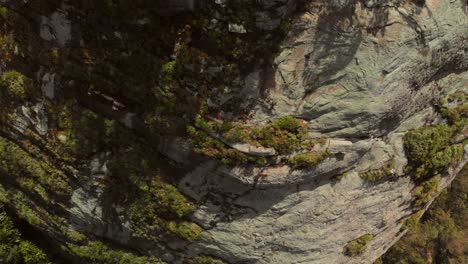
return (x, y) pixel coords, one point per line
(290, 124)
(4, 12)
(421, 144)
(424, 192)
(16, 162)
(15, 250)
(441, 235)
(185, 230)
(307, 160)
(378, 174)
(429, 151)
(445, 157)
(412, 221)
(15, 86)
(168, 70)
(378, 261)
(285, 135)
(281, 140)
(99, 253)
(358, 245)
(237, 134)
(85, 132)
(211, 147)
(155, 208)
(206, 260)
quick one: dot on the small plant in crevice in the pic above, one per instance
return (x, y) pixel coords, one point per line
(307, 160)
(358, 245)
(380, 174)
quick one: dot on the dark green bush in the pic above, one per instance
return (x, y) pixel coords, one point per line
(421, 144)
(15, 86)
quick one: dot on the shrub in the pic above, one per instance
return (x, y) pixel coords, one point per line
(445, 157)
(290, 124)
(357, 246)
(15, 86)
(424, 192)
(421, 144)
(168, 71)
(185, 230)
(285, 135)
(281, 140)
(237, 134)
(307, 160)
(160, 209)
(412, 221)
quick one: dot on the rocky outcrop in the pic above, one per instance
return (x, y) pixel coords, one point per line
(360, 74)
(364, 74)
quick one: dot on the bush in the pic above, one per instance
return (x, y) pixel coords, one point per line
(161, 208)
(357, 246)
(186, 230)
(169, 70)
(285, 135)
(445, 157)
(424, 192)
(307, 160)
(421, 144)
(290, 124)
(15, 86)
(412, 221)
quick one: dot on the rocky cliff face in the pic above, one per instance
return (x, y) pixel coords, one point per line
(299, 116)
